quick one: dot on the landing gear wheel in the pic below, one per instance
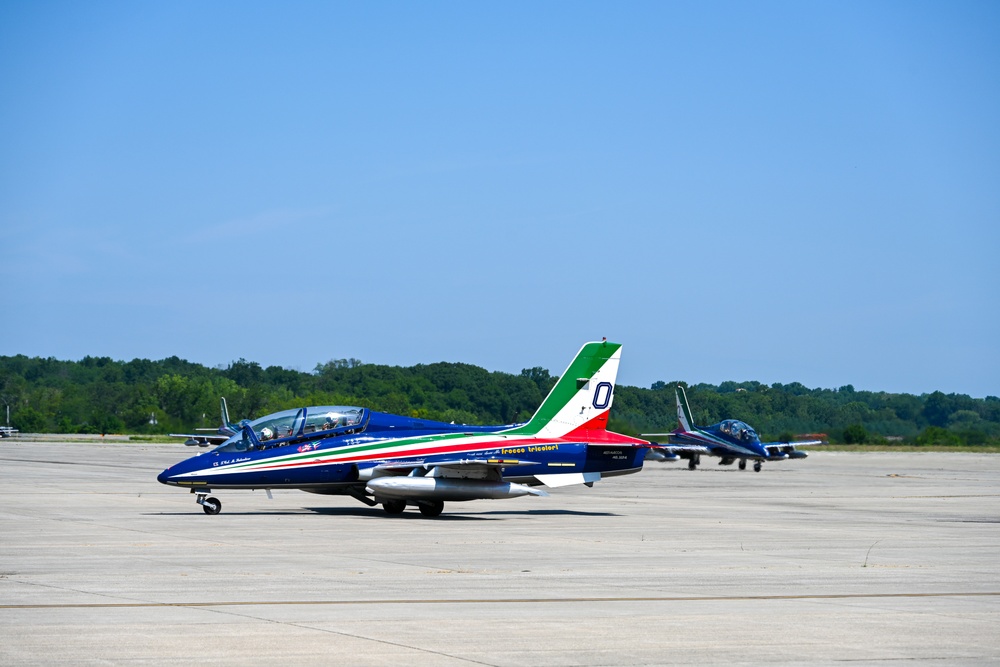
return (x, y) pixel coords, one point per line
(431, 508)
(394, 506)
(743, 464)
(692, 464)
(212, 505)
(756, 466)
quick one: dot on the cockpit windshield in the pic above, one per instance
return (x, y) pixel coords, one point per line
(336, 419)
(738, 429)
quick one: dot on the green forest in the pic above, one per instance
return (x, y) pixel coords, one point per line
(101, 395)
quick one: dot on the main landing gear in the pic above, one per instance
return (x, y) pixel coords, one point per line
(429, 508)
(743, 464)
(209, 504)
(756, 466)
(394, 506)
(694, 461)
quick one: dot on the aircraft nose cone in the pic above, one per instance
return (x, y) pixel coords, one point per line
(163, 477)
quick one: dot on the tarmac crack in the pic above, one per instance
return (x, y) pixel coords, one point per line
(463, 601)
(339, 633)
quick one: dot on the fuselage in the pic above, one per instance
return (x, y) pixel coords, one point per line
(343, 458)
(729, 438)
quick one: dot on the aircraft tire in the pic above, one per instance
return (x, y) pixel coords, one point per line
(394, 506)
(692, 464)
(756, 466)
(743, 464)
(212, 506)
(431, 508)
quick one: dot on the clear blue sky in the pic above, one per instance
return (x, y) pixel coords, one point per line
(773, 191)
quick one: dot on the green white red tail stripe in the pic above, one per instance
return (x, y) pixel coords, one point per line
(683, 411)
(581, 398)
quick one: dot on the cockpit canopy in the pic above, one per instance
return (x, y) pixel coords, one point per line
(288, 424)
(738, 429)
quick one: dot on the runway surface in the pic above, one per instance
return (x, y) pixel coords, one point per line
(858, 558)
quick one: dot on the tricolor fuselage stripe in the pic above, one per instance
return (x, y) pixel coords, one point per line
(384, 451)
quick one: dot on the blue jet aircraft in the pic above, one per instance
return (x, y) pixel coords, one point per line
(396, 461)
(225, 431)
(730, 440)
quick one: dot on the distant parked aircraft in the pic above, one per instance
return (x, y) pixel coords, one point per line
(730, 440)
(225, 431)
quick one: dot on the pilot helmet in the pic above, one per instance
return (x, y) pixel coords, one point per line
(266, 433)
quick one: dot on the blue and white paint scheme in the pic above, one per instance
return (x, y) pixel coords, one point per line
(731, 440)
(399, 461)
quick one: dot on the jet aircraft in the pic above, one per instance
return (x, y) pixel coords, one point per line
(730, 440)
(225, 431)
(396, 461)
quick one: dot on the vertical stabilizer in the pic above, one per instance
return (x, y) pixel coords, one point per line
(581, 398)
(227, 426)
(683, 411)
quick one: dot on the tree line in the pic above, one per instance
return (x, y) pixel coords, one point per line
(101, 395)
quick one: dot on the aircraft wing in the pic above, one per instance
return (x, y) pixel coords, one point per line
(488, 463)
(695, 449)
(200, 439)
(675, 448)
(801, 443)
(787, 450)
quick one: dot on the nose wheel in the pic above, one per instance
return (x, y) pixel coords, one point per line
(208, 504)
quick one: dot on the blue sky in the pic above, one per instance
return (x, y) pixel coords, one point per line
(774, 191)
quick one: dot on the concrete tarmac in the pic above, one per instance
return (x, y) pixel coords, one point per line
(843, 557)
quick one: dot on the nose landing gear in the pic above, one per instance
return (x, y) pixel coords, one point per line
(209, 504)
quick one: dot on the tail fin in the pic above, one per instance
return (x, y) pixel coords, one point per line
(226, 424)
(683, 411)
(581, 398)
